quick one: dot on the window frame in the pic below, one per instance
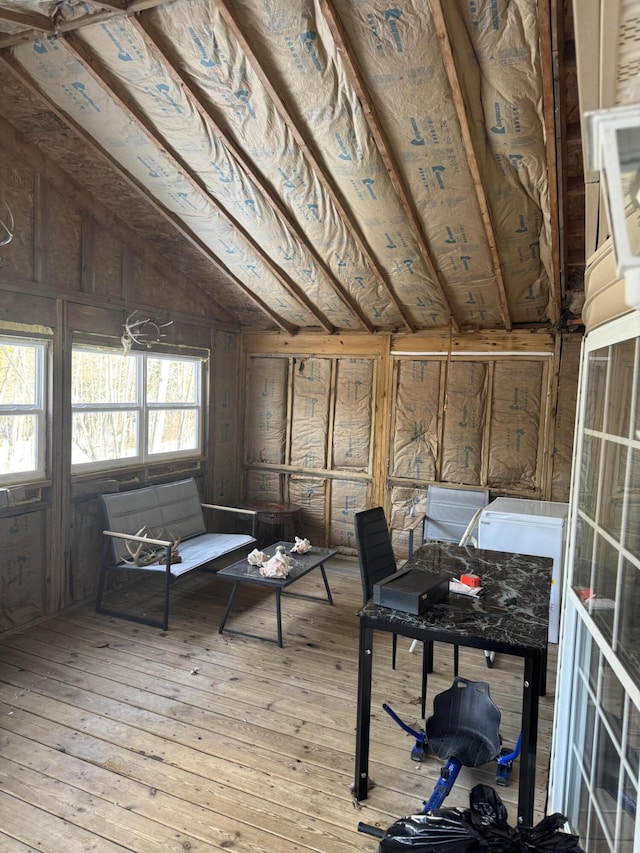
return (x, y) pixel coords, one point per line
(142, 409)
(38, 409)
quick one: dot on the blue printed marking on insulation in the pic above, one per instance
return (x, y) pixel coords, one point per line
(417, 139)
(206, 60)
(308, 40)
(392, 16)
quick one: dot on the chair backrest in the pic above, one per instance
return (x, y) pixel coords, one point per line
(449, 511)
(375, 552)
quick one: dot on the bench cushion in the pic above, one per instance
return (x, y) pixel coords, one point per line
(202, 550)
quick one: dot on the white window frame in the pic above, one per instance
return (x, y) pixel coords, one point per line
(143, 408)
(38, 409)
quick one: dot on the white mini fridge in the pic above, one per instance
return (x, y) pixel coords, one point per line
(537, 528)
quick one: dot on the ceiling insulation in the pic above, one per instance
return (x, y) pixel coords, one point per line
(340, 165)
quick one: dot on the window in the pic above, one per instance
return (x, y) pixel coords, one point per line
(22, 410)
(134, 408)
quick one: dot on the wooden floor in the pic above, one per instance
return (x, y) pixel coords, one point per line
(116, 736)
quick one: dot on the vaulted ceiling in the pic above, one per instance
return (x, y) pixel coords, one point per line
(336, 165)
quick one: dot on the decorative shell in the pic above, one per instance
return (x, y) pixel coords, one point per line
(301, 546)
(278, 566)
(257, 558)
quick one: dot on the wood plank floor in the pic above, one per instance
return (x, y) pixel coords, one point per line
(116, 736)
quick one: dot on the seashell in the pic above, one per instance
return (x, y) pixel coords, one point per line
(301, 546)
(257, 558)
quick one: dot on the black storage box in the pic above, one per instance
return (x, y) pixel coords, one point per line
(411, 590)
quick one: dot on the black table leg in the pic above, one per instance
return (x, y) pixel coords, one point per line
(227, 609)
(363, 723)
(279, 616)
(326, 584)
(533, 684)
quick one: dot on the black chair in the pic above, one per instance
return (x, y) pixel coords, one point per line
(377, 561)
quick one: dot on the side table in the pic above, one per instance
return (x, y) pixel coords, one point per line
(282, 520)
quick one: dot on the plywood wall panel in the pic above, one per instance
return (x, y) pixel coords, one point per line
(224, 419)
(23, 569)
(107, 264)
(17, 189)
(25, 308)
(63, 242)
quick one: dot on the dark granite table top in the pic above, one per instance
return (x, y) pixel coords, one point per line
(511, 613)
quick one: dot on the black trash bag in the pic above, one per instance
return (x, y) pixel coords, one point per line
(437, 831)
(546, 837)
(485, 802)
(489, 817)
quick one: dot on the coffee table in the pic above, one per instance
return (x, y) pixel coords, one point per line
(244, 572)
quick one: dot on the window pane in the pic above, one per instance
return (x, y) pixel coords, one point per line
(589, 468)
(173, 380)
(601, 605)
(623, 357)
(102, 378)
(171, 430)
(18, 368)
(18, 443)
(612, 492)
(628, 647)
(632, 530)
(594, 410)
(100, 436)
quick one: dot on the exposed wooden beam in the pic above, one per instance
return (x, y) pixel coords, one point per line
(551, 43)
(191, 93)
(375, 127)
(179, 226)
(135, 114)
(39, 23)
(324, 179)
(463, 120)
(35, 23)
(12, 140)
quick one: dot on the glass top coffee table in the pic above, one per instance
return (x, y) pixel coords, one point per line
(244, 572)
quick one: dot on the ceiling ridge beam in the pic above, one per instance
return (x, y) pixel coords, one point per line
(182, 81)
(63, 182)
(379, 136)
(472, 161)
(132, 111)
(182, 229)
(316, 167)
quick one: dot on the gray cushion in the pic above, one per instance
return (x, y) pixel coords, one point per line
(175, 506)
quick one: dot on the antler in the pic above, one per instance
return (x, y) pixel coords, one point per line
(143, 554)
(141, 331)
(8, 228)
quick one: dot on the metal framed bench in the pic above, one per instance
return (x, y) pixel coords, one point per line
(173, 507)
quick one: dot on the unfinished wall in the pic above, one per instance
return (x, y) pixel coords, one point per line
(75, 273)
(364, 422)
